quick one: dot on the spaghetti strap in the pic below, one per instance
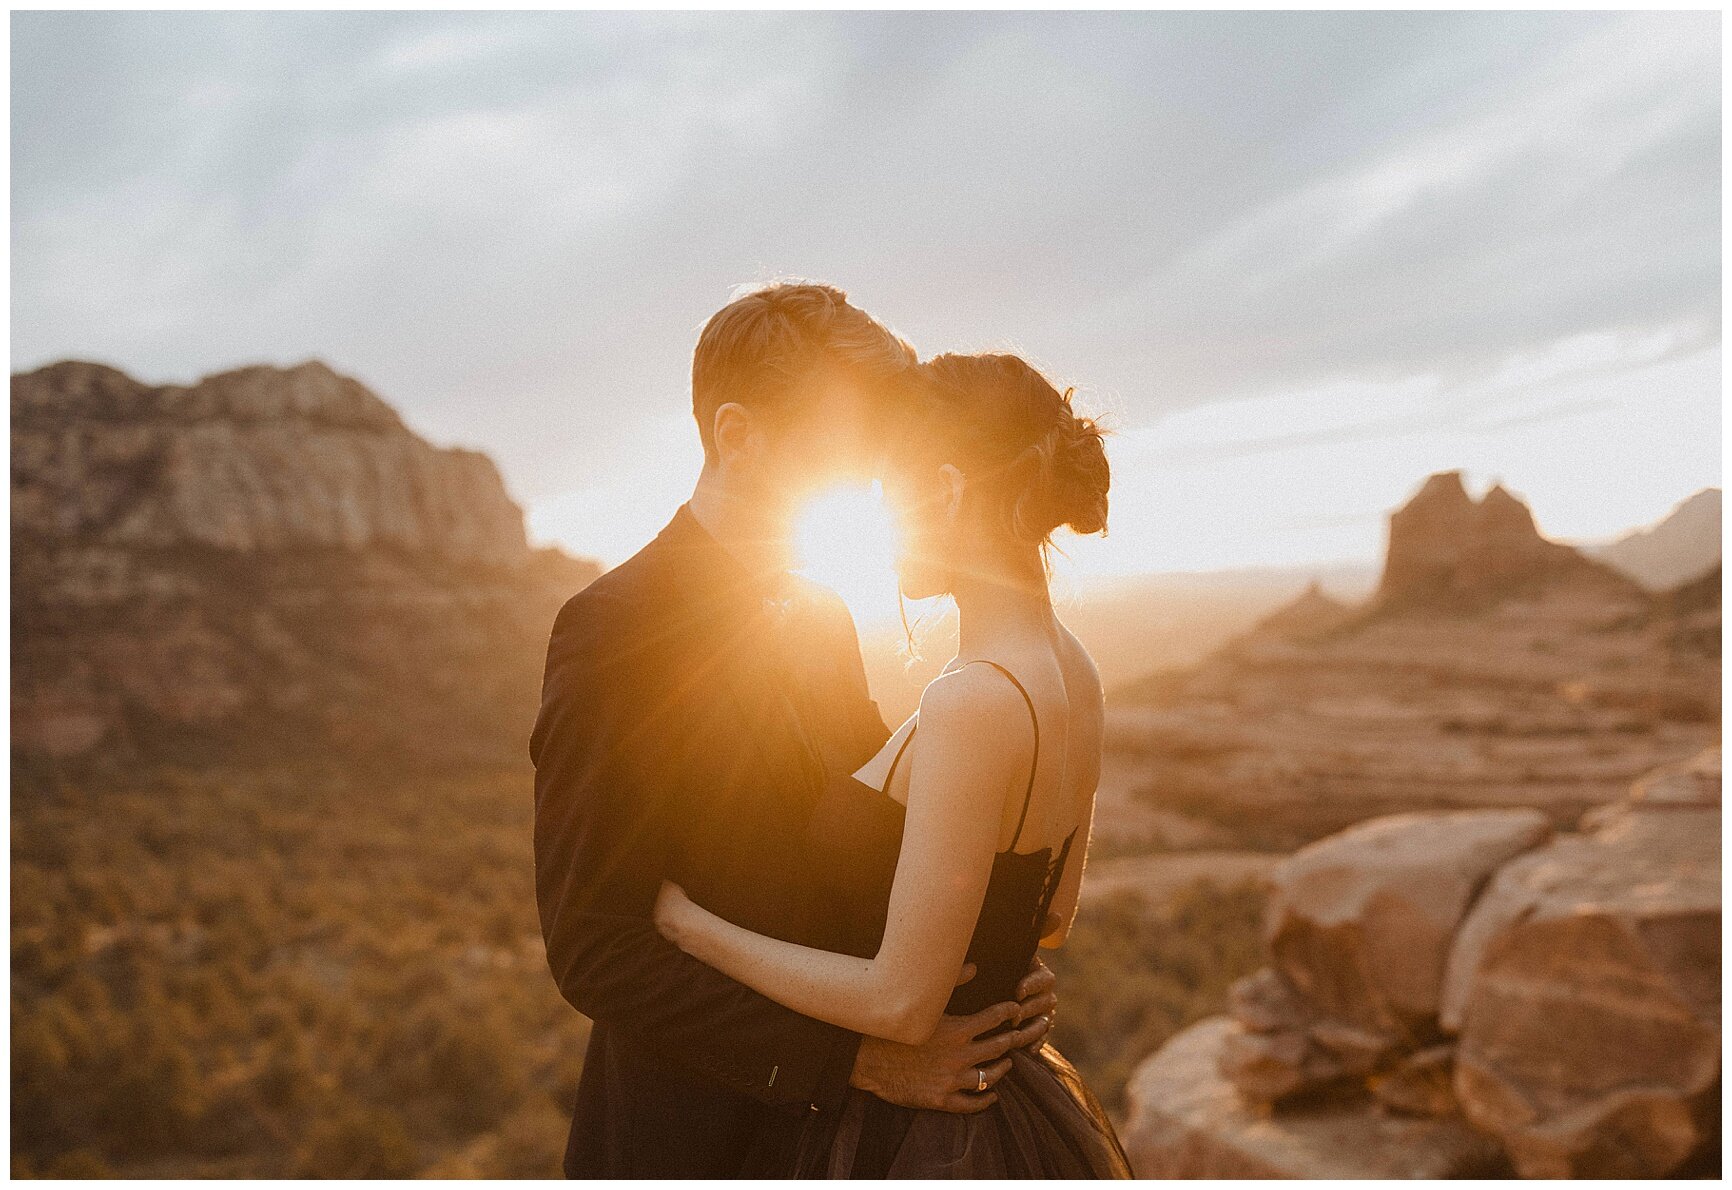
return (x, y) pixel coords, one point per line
(1034, 764)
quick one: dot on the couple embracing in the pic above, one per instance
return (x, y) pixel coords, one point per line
(808, 943)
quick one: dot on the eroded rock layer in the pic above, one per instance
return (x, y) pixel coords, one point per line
(266, 561)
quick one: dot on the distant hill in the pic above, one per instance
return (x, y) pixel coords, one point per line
(266, 562)
(1137, 625)
(1680, 546)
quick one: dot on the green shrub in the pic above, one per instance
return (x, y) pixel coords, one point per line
(270, 974)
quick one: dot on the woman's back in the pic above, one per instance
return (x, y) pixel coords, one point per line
(1044, 826)
(1068, 803)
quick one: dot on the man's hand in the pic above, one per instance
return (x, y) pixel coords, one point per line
(1037, 996)
(949, 1071)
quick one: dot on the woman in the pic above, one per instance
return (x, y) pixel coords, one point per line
(964, 839)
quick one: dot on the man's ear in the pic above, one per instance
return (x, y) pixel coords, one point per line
(734, 433)
(954, 485)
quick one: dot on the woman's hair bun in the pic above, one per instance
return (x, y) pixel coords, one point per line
(1053, 461)
(1066, 477)
(1080, 476)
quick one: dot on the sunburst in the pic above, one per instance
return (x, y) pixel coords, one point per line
(847, 540)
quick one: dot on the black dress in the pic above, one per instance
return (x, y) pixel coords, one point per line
(1045, 1123)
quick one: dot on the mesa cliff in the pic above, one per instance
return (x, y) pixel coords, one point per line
(265, 563)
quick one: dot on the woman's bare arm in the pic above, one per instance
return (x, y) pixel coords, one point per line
(960, 777)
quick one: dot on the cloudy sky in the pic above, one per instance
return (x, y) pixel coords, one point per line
(1301, 260)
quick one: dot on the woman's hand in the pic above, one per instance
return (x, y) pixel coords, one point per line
(672, 911)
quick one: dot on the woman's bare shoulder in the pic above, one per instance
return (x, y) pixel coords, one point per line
(973, 697)
(980, 705)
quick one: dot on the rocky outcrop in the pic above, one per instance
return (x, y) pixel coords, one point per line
(1586, 990)
(267, 560)
(1446, 549)
(1556, 999)
(250, 461)
(1187, 1121)
(1360, 923)
(1359, 929)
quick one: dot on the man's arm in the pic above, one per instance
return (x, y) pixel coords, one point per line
(601, 850)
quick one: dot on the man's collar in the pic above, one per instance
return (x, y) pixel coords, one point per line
(723, 573)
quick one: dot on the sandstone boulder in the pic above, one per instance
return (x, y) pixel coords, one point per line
(1586, 989)
(1187, 1121)
(1360, 924)
(1283, 1049)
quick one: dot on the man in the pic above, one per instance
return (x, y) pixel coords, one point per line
(691, 701)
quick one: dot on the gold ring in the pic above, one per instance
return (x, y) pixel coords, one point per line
(981, 1075)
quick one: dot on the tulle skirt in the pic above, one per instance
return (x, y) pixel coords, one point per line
(1045, 1124)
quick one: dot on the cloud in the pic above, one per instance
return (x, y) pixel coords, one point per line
(511, 224)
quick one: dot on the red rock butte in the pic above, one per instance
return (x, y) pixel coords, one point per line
(1447, 549)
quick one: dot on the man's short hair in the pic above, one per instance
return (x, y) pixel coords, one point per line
(756, 349)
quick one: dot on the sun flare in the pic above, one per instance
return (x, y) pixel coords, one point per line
(847, 540)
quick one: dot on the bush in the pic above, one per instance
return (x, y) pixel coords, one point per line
(358, 1141)
(275, 973)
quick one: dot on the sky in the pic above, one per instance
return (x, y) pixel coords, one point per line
(1298, 260)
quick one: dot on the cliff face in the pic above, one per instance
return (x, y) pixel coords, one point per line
(249, 461)
(266, 561)
(1447, 549)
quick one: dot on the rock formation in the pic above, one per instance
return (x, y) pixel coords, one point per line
(1359, 927)
(1469, 681)
(1187, 1121)
(1447, 549)
(1360, 923)
(1585, 988)
(1556, 1001)
(265, 561)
